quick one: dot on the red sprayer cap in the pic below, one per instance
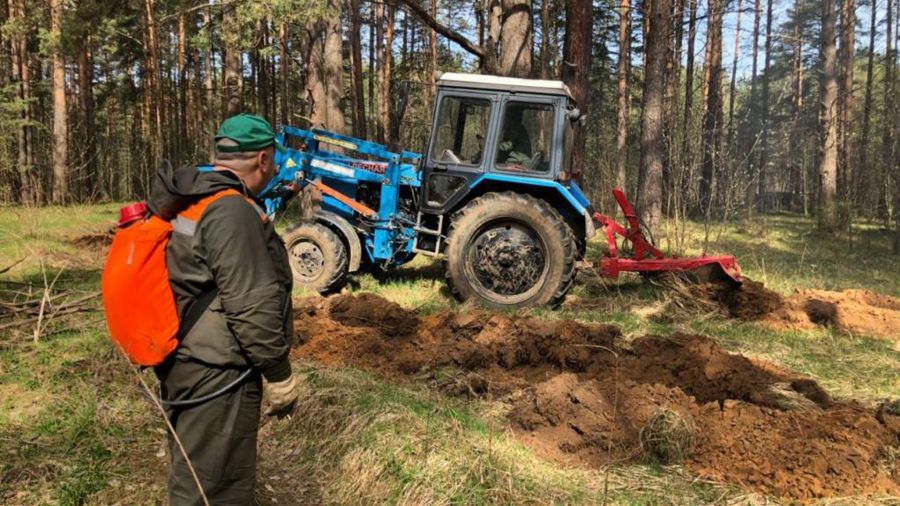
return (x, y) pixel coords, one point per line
(131, 213)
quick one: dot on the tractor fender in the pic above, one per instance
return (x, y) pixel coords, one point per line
(343, 227)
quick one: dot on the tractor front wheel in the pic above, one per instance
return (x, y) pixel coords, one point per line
(508, 250)
(317, 256)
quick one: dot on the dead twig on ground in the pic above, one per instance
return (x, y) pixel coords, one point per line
(7, 268)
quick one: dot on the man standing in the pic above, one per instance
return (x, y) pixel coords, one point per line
(232, 283)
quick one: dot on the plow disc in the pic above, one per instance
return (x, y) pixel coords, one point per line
(646, 258)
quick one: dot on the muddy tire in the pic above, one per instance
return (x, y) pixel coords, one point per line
(508, 250)
(317, 256)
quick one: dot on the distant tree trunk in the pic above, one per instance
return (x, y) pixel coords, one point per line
(386, 74)
(828, 121)
(316, 93)
(357, 96)
(845, 109)
(864, 171)
(752, 162)
(333, 71)
(887, 130)
(689, 84)
(209, 88)
(60, 113)
(262, 71)
(183, 89)
(764, 140)
(652, 127)
(576, 71)
(545, 39)
(797, 108)
(284, 69)
(88, 158)
(154, 75)
(22, 80)
(373, 48)
(622, 71)
(731, 85)
(516, 38)
(712, 118)
(233, 71)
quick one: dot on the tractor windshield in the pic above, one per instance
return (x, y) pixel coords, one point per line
(527, 138)
(461, 129)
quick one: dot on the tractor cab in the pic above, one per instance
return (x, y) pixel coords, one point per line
(499, 128)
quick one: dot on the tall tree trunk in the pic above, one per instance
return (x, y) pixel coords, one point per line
(764, 141)
(153, 69)
(88, 158)
(652, 134)
(689, 85)
(752, 162)
(797, 108)
(22, 80)
(577, 71)
(712, 119)
(545, 39)
(183, 89)
(233, 70)
(622, 71)
(887, 130)
(284, 66)
(386, 74)
(60, 113)
(358, 100)
(333, 71)
(263, 78)
(316, 92)
(516, 38)
(828, 121)
(209, 87)
(373, 48)
(731, 85)
(845, 109)
(864, 171)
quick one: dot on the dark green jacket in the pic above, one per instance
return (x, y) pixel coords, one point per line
(234, 249)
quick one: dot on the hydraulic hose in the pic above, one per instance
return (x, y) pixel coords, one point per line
(210, 396)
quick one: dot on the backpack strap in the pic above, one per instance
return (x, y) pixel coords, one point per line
(186, 221)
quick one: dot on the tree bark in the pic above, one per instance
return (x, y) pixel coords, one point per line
(712, 118)
(863, 171)
(284, 69)
(233, 71)
(88, 158)
(385, 74)
(797, 108)
(652, 134)
(623, 70)
(828, 146)
(577, 71)
(60, 113)
(209, 87)
(358, 100)
(764, 140)
(731, 85)
(516, 38)
(316, 93)
(752, 162)
(153, 69)
(22, 81)
(333, 71)
(689, 85)
(887, 130)
(845, 109)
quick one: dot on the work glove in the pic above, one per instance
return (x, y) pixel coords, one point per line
(282, 396)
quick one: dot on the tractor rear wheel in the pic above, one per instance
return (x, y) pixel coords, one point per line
(317, 256)
(508, 250)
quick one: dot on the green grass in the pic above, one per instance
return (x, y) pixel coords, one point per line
(75, 429)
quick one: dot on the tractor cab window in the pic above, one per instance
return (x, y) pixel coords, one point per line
(461, 129)
(527, 137)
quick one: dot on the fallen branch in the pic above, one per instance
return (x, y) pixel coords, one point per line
(17, 262)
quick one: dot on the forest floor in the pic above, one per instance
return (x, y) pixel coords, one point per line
(631, 393)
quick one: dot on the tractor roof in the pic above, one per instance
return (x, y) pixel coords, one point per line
(511, 84)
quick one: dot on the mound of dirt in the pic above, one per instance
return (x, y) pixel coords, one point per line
(860, 311)
(583, 394)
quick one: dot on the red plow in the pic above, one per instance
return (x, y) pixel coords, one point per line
(646, 258)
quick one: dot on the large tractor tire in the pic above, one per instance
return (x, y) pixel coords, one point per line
(508, 250)
(317, 256)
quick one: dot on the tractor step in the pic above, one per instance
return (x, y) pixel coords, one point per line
(646, 258)
(422, 231)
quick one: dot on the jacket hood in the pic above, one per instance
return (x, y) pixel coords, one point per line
(175, 191)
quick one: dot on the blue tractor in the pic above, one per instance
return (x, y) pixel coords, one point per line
(491, 196)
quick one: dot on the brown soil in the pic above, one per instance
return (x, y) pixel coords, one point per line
(583, 394)
(855, 311)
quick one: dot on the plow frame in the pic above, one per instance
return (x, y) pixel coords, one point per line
(646, 257)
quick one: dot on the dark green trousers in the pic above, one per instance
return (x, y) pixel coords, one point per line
(218, 435)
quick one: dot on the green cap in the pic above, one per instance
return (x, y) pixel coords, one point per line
(249, 132)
